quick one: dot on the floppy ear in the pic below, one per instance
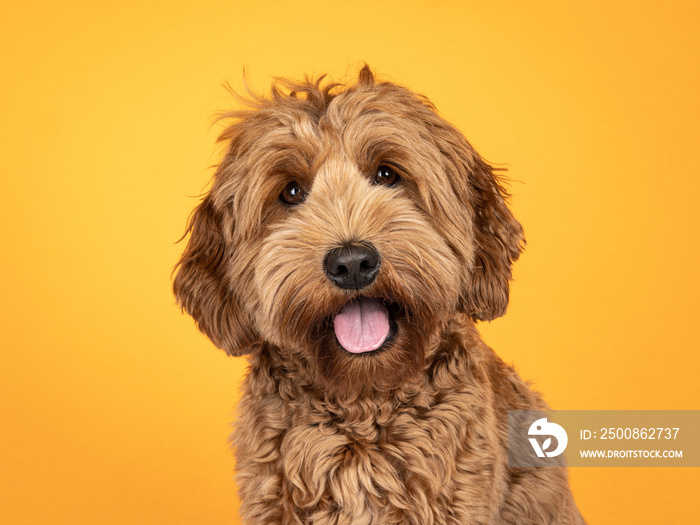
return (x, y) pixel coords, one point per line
(202, 285)
(497, 236)
(498, 241)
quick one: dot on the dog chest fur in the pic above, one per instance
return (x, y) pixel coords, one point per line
(430, 454)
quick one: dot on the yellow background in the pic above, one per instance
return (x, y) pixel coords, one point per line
(116, 410)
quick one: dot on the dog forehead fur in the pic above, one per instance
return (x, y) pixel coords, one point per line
(414, 433)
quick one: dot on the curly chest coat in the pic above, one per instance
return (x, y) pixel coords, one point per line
(433, 453)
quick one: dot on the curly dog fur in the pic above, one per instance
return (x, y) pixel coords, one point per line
(414, 431)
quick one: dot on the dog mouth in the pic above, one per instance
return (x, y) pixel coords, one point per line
(365, 325)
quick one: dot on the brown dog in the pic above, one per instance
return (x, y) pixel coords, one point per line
(349, 242)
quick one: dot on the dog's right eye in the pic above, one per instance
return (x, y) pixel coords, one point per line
(386, 176)
(292, 194)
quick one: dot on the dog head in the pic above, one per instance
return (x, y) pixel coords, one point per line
(347, 224)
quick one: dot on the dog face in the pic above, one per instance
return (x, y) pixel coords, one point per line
(346, 226)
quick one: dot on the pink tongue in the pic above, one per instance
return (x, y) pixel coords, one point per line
(362, 326)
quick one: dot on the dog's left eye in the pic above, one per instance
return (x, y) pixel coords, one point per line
(385, 176)
(292, 194)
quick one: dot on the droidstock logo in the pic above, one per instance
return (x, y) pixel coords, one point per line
(542, 427)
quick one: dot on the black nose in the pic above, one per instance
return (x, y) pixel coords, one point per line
(353, 266)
